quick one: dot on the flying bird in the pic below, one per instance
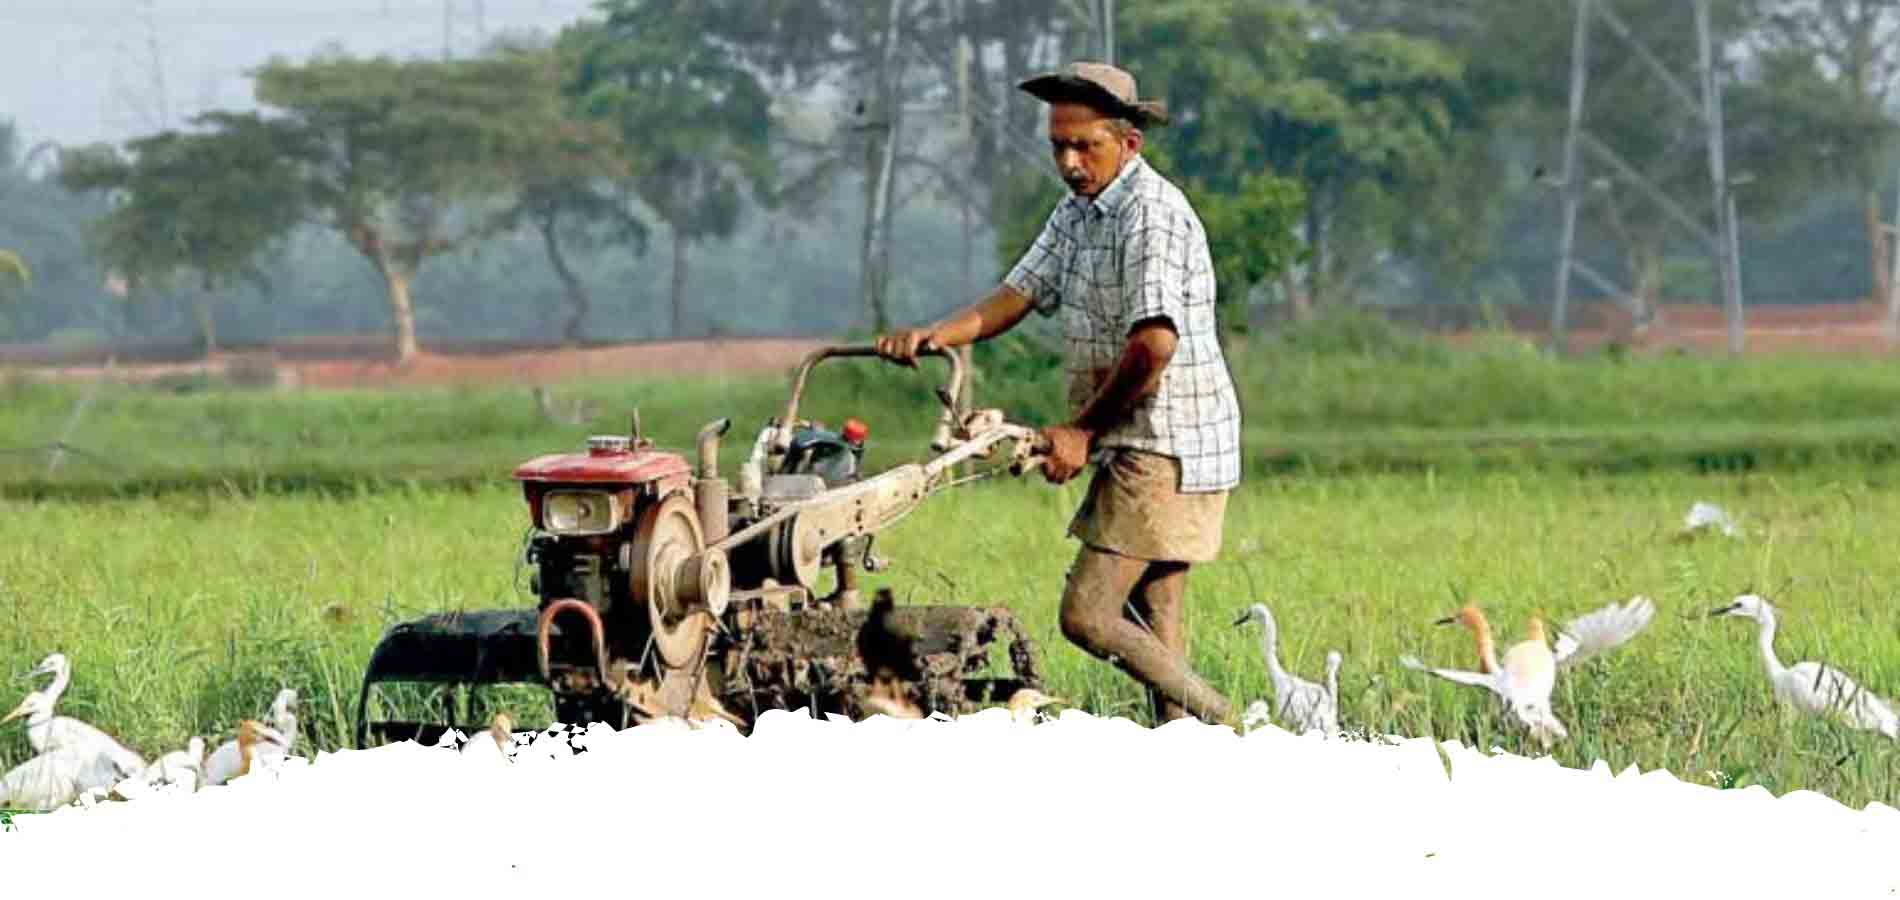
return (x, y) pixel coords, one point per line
(1525, 676)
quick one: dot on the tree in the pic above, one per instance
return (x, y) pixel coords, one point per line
(393, 155)
(696, 120)
(929, 101)
(1354, 117)
(198, 205)
(576, 176)
(1825, 77)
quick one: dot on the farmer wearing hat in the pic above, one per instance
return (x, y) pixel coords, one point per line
(1124, 259)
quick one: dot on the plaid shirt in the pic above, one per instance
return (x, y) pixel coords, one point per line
(1138, 251)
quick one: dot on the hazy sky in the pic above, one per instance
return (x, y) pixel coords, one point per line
(75, 71)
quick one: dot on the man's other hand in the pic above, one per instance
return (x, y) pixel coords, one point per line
(903, 346)
(1068, 452)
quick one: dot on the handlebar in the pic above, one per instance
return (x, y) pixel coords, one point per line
(948, 395)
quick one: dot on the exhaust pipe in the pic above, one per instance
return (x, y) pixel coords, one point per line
(709, 495)
(709, 447)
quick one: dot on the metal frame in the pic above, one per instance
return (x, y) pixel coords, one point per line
(1722, 242)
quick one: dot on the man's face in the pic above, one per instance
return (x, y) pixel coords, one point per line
(1088, 153)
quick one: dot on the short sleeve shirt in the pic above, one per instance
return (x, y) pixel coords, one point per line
(1138, 251)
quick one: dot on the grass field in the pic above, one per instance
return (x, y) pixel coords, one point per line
(187, 587)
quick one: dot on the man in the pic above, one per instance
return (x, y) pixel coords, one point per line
(1124, 258)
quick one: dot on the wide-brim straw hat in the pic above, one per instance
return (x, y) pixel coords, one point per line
(1101, 86)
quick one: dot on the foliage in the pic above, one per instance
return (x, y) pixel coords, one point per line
(572, 176)
(197, 205)
(1353, 116)
(12, 264)
(696, 119)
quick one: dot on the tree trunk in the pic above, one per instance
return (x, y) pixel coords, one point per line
(207, 326)
(402, 310)
(1876, 247)
(398, 268)
(577, 299)
(1316, 263)
(679, 284)
(1646, 266)
(1296, 296)
(880, 160)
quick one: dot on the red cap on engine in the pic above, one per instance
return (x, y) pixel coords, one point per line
(856, 431)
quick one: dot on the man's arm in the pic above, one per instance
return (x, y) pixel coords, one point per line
(1136, 376)
(985, 319)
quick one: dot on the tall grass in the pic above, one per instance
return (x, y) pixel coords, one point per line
(184, 613)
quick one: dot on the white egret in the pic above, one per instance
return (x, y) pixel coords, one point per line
(1525, 677)
(1303, 705)
(180, 767)
(55, 779)
(1256, 715)
(283, 720)
(1811, 687)
(47, 732)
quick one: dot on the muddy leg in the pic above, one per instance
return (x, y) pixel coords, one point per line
(1092, 617)
(1136, 611)
(1159, 594)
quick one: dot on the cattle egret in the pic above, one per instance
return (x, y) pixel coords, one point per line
(1024, 703)
(47, 732)
(1303, 705)
(1811, 687)
(1523, 679)
(255, 743)
(498, 742)
(55, 779)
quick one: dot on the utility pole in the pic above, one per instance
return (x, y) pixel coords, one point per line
(1579, 47)
(1722, 191)
(1722, 241)
(1893, 280)
(1108, 31)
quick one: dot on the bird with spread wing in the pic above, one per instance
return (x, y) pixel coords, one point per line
(1524, 677)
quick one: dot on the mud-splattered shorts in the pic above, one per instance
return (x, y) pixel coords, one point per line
(1135, 508)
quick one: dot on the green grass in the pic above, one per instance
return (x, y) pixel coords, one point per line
(185, 612)
(215, 544)
(1341, 397)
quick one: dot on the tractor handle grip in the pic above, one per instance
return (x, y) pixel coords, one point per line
(1038, 453)
(859, 350)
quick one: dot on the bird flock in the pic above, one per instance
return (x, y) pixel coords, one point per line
(78, 762)
(1522, 678)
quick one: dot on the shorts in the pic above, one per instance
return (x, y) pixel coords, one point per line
(1135, 508)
